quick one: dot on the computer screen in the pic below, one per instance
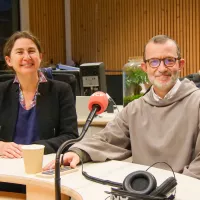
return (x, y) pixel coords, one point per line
(93, 77)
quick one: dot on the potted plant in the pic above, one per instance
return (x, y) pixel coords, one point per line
(134, 80)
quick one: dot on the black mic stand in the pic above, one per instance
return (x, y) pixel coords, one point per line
(91, 116)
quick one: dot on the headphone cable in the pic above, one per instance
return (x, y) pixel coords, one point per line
(120, 192)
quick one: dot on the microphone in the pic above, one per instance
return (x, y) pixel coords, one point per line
(99, 100)
(97, 104)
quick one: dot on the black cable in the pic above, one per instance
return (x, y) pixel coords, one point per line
(95, 179)
(98, 180)
(101, 181)
(110, 98)
(168, 166)
(66, 144)
(147, 90)
(162, 163)
(107, 197)
(121, 192)
(114, 103)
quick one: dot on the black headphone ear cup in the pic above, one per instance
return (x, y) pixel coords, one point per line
(165, 187)
(140, 182)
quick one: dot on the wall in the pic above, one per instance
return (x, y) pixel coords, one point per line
(9, 23)
(47, 21)
(114, 30)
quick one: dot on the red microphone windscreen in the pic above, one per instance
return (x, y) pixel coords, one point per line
(98, 98)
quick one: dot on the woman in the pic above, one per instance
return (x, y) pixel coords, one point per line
(33, 109)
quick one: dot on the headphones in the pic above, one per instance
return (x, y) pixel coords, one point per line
(143, 185)
(140, 185)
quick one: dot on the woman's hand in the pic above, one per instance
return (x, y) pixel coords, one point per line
(69, 158)
(10, 150)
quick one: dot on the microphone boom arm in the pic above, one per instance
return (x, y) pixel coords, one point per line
(91, 116)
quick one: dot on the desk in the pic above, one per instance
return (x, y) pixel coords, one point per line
(99, 122)
(76, 186)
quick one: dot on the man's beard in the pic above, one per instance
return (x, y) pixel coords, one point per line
(167, 85)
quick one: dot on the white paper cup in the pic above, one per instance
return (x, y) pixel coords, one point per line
(33, 158)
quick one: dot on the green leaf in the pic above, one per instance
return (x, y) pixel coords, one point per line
(128, 99)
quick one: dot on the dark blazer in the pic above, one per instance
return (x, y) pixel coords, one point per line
(55, 108)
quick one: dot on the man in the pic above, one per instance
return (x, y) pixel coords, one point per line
(163, 125)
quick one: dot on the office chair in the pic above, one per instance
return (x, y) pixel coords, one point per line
(6, 77)
(64, 77)
(79, 84)
(67, 78)
(6, 71)
(193, 77)
(74, 80)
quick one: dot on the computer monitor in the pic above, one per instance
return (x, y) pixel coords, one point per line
(93, 77)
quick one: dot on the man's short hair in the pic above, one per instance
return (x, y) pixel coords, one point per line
(161, 39)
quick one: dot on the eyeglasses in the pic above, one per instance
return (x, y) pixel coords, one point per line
(168, 62)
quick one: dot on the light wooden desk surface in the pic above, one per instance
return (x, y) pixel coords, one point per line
(100, 120)
(75, 185)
